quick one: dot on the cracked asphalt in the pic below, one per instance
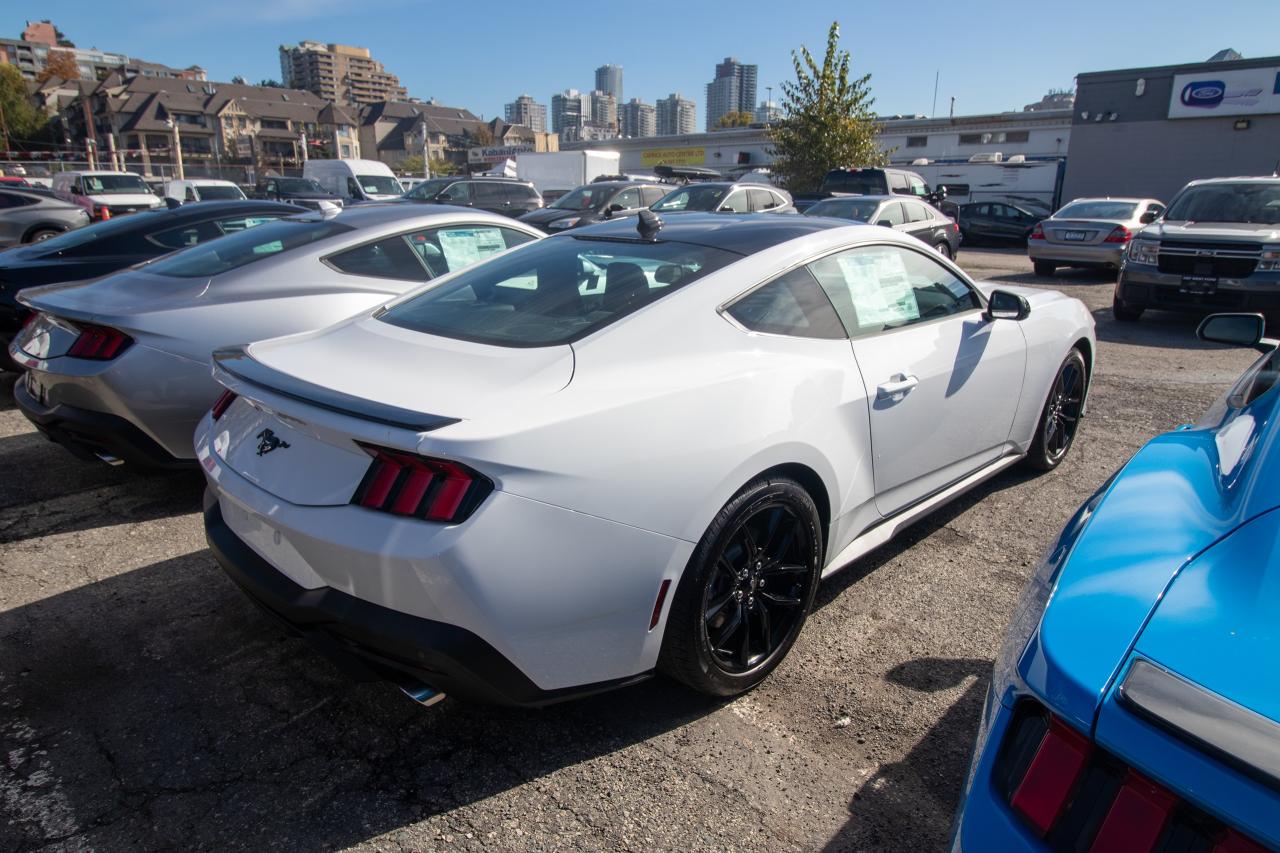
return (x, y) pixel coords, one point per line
(146, 705)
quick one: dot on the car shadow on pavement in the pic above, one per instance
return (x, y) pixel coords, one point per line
(1160, 329)
(160, 709)
(1061, 278)
(7, 381)
(930, 777)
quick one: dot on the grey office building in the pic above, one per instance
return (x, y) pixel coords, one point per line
(637, 119)
(676, 116)
(733, 90)
(1147, 131)
(609, 79)
(569, 111)
(528, 112)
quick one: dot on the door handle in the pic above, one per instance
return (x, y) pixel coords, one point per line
(897, 386)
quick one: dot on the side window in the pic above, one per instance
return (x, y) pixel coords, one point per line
(190, 195)
(449, 249)
(875, 288)
(983, 210)
(916, 186)
(271, 186)
(389, 257)
(187, 235)
(891, 213)
(762, 199)
(460, 191)
(353, 188)
(628, 199)
(915, 211)
(240, 223)
(736, 202)
(488, 193)
(651, 195)
(791, 305)
(10, 200)
(898, 183)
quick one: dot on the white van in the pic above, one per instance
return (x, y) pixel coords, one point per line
(105, 194)
(354, 180)
(203, 189)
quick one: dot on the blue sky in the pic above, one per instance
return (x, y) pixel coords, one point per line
(990, 56)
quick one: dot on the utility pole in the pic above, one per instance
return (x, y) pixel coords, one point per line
(933, 111)
(303, 138)
(177, 148)
(953, 107)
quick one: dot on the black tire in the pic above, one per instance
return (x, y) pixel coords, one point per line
(944, 248)
(41, 234)
(771, 531)
(1060, 417)
(1045, 268)
(1124, 313)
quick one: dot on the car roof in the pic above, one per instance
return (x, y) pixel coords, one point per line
(629, 184)
(1250, 179)
(861, 196)
(208, 209)
(1124, 199)
(379, 213)
(742, 233)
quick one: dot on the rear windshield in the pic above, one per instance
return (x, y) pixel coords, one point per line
(857, 209)
(554, 291)
(1242, 202)
(1097, 210)
(861, 182)
(693, 197)
(218, 193)
(244, 247)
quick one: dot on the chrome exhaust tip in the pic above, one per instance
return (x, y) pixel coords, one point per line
(423, 694)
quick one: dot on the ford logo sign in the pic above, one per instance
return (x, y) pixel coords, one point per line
(1203, 93)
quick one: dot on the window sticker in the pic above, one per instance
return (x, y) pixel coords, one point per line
(882, 295)
(463, 247)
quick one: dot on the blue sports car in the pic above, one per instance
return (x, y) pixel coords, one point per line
(1136, 702)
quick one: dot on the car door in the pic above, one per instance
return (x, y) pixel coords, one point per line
(942, 381)
(12, 222)
(457, 193)
(489, 196)
(628, 200)
(918, 224)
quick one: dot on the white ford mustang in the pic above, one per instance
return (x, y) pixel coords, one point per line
(625, 449)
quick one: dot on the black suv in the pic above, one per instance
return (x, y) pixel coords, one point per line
(300, 191)
(496, 195)
(595, 201)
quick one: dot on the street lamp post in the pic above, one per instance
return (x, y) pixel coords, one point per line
(177, 147)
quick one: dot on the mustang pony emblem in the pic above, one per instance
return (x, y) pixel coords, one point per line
(268, 442)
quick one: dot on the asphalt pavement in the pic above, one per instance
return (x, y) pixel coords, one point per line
(145, 704)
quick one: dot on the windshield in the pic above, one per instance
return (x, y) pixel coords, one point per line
(244, 247)
(113, 184)
(693, 197)
(215, 192)
(1242, 202)
(861, 182)
(142, 222)
(1122, 210)
(298, 185)
(379, 184)
(585, 198)
(429, 189)
(554, 291)
(857, 209)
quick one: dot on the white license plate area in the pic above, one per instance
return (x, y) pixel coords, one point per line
(1075, 236)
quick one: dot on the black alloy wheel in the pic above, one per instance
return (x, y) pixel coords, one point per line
(747, 590)
(1060, 419)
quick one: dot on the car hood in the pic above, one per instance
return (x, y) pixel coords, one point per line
(1259, 231)
(1181, 493)
(127, 199)
(376, 361)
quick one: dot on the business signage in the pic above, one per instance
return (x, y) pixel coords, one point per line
(496, 154)
(1243, 92)
(673, 156)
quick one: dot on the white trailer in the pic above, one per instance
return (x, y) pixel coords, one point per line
(566, 170)
(1035, 184)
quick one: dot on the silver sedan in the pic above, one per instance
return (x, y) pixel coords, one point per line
(1090, 232)
(118, 368)
(31, 215)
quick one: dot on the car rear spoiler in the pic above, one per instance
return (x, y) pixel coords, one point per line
(239, 364)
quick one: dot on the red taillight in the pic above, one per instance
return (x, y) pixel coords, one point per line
(224, 401)
(1137, 816)
(405, 484)
(955, 226)
(99, 343)
(1037, 233)
(101, 212)
(1051, 778)
(1119, 234)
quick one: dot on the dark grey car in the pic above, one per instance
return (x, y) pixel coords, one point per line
(910, 216)
(508, 196)
(29, 216)
(594, 202)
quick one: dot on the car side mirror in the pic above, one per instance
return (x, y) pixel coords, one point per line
(616, 208)
(1003, 305)
(171, 202)
(886, 223)
(1241, 330)
(1149, 217)
(725, 209)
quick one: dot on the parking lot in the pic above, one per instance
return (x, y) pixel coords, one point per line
(146, 704)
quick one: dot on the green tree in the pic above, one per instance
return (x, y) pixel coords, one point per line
(737, 118)
(19, 120)
(440, 166)
(827, 119)
(412, 165)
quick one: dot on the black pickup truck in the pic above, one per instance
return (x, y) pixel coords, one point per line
(876, 181)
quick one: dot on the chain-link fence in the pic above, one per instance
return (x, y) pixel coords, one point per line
(41, 173)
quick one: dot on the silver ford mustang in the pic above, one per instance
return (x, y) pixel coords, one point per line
(118, 368)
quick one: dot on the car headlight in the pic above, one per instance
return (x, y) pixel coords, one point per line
(1270, 261)
(564, 223)
(1144, 251)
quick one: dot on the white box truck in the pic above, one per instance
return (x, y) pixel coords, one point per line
(562, 171)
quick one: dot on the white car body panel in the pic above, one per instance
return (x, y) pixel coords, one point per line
(611, 455)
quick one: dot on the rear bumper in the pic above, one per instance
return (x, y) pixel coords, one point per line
(1099, 255)
(1145, 287)
(373, 642)
(91, 435)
